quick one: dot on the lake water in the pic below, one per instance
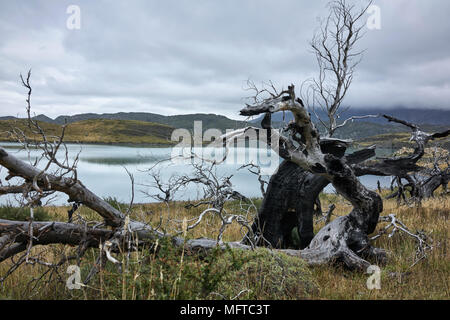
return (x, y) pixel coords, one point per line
(102, 169)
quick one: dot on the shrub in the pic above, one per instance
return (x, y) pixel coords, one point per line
(218, 274)
(116, 203)
(9, 212)
(265, 274)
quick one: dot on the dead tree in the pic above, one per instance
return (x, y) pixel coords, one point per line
(402, 167)
(345, 238)
(290, 197)
(293, 192)
(337, 55)
(291, 200)
(434, 173)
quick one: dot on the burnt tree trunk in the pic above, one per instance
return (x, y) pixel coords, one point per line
(291, 200)
(430, 185)
(289, 204)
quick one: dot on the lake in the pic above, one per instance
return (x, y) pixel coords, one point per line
(102, 169)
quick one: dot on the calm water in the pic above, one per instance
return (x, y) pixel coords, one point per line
(102, 169)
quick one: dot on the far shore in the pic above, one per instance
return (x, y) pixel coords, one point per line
(123, 144)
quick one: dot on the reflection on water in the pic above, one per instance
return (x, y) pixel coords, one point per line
(102, 169)
(121, 160)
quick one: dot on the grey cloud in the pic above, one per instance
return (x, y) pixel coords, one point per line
(189, 56)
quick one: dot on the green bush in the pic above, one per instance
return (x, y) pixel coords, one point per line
(265, 274)
(23, 214)
(116, 203)
(217, 274)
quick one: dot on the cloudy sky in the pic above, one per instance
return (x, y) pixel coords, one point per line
(177, 57)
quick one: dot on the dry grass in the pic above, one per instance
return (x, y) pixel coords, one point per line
(97, 131)
(428, 279)
(399, 140)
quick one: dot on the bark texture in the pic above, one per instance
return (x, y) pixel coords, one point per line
(289, 204)
(291, 201)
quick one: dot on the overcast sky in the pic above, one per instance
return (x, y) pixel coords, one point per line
(178, 57)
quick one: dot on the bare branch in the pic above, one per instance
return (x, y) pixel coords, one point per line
(396, 225)
(337, 56)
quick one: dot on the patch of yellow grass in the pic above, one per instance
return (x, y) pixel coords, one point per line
(428, 279)
(97, 131)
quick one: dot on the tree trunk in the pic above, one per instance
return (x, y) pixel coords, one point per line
(289, 203)
(288, 206)
(430, 185)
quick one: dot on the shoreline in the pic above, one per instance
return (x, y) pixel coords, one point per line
(118, 144)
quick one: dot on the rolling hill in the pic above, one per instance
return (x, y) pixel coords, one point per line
(430, 120)
(151, 128)
(98, 131)
(418, 115)
(178, 121)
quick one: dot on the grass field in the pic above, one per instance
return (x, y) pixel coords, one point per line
(98, 131)
(170, 274)
(396, 140)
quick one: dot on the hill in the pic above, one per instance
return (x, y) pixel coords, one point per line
(99, 131)
(432, 120)
(398, 140)
(419, 115)
(152, 128)
(178, 121)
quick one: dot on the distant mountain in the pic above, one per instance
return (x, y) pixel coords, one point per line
(419, 116)
(130, 125)
(177, 121)
(428, 119)
(8, 118)
(432, 120)
(43, 118)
